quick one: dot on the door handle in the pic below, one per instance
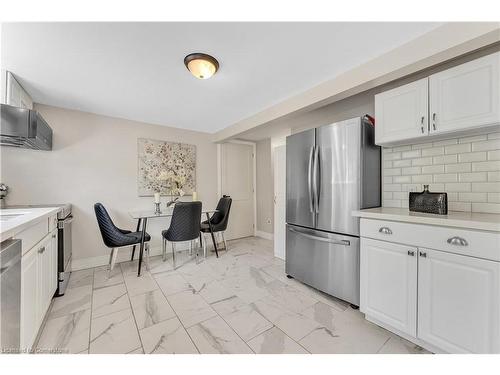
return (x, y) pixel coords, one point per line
(316, 177)
(322, 239)
(309, 180)
(457, 241)
(422, 124)
(385, 230)
(411, 253)
(423, 255)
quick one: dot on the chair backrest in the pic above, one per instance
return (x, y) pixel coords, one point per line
(109, 232)
(221, 217)
(185, 224)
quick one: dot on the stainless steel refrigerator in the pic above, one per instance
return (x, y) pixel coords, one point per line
(330, 171)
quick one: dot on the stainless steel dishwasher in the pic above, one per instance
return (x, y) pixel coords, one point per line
(10, 296)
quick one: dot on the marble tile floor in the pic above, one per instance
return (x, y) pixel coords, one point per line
(240, 303)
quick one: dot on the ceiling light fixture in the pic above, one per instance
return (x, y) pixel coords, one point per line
(201, 65)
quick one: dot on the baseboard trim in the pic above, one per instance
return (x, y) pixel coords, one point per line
(123, 256)
(267, 236)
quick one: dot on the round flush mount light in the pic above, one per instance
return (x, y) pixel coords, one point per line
(201, 65)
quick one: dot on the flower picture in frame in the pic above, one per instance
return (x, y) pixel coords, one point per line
(165, 167)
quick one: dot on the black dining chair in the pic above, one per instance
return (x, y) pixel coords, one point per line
(218, 220)
(116, 238)
(184, 226)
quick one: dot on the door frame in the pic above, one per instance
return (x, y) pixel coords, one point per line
(219, 174)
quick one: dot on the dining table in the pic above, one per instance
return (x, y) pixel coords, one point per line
(142, 221)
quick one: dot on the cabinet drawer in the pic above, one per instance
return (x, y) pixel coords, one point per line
(32, 235)
(459, 241)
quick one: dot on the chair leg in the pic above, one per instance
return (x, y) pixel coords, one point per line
(112, 260)
(173, 255)
(164, 248)
(224, 240)
(204, 245)
(147, 256)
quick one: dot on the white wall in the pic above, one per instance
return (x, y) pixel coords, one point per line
(95, 160)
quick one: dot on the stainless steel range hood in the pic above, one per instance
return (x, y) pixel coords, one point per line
(24, 128)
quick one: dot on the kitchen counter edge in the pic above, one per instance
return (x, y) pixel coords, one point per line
(455, 219)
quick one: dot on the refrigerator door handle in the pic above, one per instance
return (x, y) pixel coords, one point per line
(309, 180)
(316, 177)
(322, 239)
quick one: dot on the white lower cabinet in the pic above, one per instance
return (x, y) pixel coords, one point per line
(389, 284)
(442, 300)
(458, 302)
(38, 285)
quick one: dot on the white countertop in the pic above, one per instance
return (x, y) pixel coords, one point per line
(27, 217)
(465, 220)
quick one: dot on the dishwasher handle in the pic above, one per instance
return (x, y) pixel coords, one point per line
(322, 239)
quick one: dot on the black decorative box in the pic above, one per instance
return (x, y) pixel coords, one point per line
(431, 203)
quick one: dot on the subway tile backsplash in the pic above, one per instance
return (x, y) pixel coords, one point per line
(467, 168)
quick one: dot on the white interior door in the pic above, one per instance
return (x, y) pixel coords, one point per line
(237, 181)
(279, 201)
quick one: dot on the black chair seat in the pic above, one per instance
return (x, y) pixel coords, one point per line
(216, 227)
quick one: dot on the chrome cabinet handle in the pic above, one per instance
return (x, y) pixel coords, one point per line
(385, 230)
(434, 121)
(422, 124)
(411, 253)
(423, 255)
(41, 250)
(457, 241)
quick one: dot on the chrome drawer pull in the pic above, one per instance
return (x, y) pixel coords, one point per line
(423, 255)
(41, 250)
(385, 230)
(457, 241)
(411, 253)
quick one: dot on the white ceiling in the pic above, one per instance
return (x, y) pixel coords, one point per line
(136, 71)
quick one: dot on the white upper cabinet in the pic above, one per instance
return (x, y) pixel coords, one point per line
(466, 96)
(459, 100)
(389, 284)
(458, 302)
(401, 113)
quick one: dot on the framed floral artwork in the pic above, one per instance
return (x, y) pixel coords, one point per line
(165, 167)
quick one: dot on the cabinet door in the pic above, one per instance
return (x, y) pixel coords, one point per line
(466, 96)
(401, 113)
(44, 250)
(389, 284)
(458, 302)
(29, 289)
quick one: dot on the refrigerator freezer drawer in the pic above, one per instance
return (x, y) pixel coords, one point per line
(326, 261)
